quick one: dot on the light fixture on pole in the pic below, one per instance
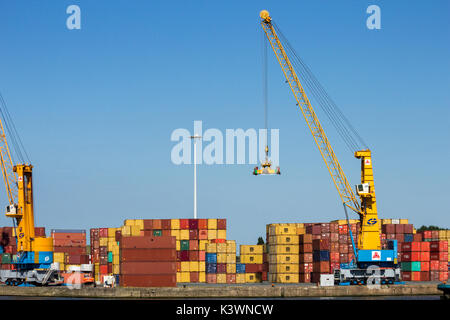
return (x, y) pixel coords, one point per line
(195, 173)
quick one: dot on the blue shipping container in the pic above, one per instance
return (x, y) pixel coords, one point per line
(240, 268)
(211, 267)
(409, 238)
(322, 255)
(211, 257)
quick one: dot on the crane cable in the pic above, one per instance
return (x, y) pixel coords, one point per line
(265, 88)
(16, 142)
(348, 133)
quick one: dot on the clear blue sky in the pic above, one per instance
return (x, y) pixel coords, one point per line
(96, 107)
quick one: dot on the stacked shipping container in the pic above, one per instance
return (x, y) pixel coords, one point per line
(69, 248)
(252, 256)
(220, 264)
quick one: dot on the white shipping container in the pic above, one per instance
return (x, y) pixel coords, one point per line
(326, 280)
(395, 221)
(87, 267)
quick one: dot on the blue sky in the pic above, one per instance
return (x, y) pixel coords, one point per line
(96, 107)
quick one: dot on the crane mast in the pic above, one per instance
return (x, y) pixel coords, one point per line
(369, 236)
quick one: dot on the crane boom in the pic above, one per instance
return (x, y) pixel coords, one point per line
(369, 236)
(9, 176)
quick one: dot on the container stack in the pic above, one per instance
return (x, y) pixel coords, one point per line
(220, 264)
(8, 248)
(105, 252)
(252, 257)
(69, 248)
(148, 261)
(283, 250)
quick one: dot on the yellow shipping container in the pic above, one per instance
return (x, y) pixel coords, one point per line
(252, 258)
(211, 247)
(212, 224)
(202, 277)
(212, 234)
(175, 233)
(248, 249)
(231, 267)
(231, 246)
(442, 234)
(282, 230)
(221, 248)
(112, 232)
(183, 277)
(283, 258)
(185, 266)
(404, 221)
(284, 277)
(221, 234)
(221, 277)
(178, 245)
(175, 224)
(202, 245)
(231, 257)
(184, 234)
(448, 234)
(139, 223)
(221, 258)
(284, 239)
(284, 249)
(116, 269)
(252, 278)
(284, 268)
(201, 266)
(129, 222)
(58, 257)
(103, 242)
(194, 266)
(240, 277)
(126, 231)
(386, 221)
(301, 231)
(116, 260)
(135, 231)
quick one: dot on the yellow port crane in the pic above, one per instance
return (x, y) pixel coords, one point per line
(34, 254)
(368, 253)
(369, 237)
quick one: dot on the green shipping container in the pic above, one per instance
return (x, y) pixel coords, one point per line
(411, 266)
(110, 257)
(184, 245)
(6, 258)
(157, 233)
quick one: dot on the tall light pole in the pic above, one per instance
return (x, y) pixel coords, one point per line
(195, 173)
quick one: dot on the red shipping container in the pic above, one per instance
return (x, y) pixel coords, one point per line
(211, 278)
(427, 234)
(265, 267)
(334, 237)
(400, 237)
(443, 276)
(193, 255)
(324, 228)
(388, 229)
(399, 229)
(315, 229)
(424, 256)
(231, 278)
(306, 257)
(221, 224)
(343, 229)
(334, 266)
(193, 234)
(184, 255)
(305, 238)
(316, 236)
(184, 223)
(435, 234)
(343, 258)
(424, 276)
(325, 236)
(148, 242)
(343, 248)
(425, 246)
(408, 228)
(103, 269)
(149, 255)
(322, 244)
(434, 275)
(166, 233)
(315, 277)
(194, 277)
(343, 239)
(71, 250)
(251, 268)
(166, 224)
(410, 256)
(110, 268)
(334, 257)
(39, 231)
(437, 246)
(102, 233)
(202, 234)
(201, 255)
(411, 275)
(440, 256)
(305, 267)
(193, 245)
(218, 241)
(166, 280)
(305, 277)
(434, 265)
(418, 237)
(425, 266)
(264, 276)
(118, 235)
(203, 224)
(390, 236)
(334, 247)
(443, 266)
(193, 224)
(148, 224)
(136, 268)
(222, 268)
(321, 266)
(306, 248)
(410, 246)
